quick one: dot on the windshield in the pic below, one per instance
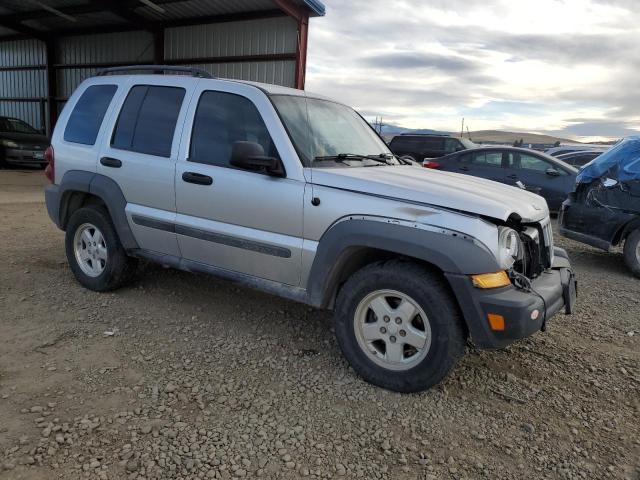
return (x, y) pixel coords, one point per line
(468, 143)
(321, 129)
(13, 125)
(621, 162)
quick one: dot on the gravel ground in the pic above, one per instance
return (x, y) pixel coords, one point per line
(184, 376)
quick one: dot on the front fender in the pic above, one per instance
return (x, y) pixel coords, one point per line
(449, 251)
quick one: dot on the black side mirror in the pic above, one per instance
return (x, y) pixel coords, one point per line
(250, 156)
(553, 172)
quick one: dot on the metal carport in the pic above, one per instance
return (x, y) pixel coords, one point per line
(47, 47)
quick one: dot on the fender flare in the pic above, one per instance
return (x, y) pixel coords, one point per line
(451, 252)
(102, 187)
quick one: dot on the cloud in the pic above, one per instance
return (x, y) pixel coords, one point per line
(501, 64)
(419, 60)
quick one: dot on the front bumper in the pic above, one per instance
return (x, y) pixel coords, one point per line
(553, 291)
(34, 157)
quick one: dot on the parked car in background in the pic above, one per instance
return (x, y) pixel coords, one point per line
(604, 208)
(21, 143)
(555, 151)
(418, 147)
(551, 178)
(580, 158)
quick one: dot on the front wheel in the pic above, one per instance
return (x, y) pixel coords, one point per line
(95, 254)
(632, 252)
(399, 326)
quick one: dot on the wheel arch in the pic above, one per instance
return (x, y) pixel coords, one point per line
(78, 189)
(626, 230)
(354, 243)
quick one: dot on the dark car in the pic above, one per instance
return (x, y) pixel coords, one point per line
(21, 143)
(418, 147)
(540, 173)
(578, 159)
(604, 209)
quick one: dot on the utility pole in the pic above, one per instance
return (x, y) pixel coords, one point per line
(462, 128)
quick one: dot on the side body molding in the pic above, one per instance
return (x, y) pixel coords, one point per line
(451, 252)
(58, 199)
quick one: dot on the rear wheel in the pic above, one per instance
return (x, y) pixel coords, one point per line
(95, 254)
(399, 326)
(632, 252)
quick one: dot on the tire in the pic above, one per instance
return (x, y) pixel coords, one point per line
(632, 252)
(111, 272)
(430, 293)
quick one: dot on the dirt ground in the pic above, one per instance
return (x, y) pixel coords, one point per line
(184, 376)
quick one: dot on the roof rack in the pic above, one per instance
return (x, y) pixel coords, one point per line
(195, 72)
(426, 134)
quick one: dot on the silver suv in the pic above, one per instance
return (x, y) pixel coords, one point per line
(297, 195)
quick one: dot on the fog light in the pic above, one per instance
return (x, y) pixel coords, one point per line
(496, 322)
(491, 280)
(535, 314)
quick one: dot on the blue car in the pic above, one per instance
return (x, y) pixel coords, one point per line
(547, 176)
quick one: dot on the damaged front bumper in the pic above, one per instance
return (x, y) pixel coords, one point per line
(524, 312)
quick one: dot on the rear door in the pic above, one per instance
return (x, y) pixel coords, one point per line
(140, 156)
(431, 147)
(484, 164)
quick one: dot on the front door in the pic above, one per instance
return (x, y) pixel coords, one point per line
(238, 220)
(535, 172)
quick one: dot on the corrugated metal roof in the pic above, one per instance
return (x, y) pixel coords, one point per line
(201, 8)
(78, 14)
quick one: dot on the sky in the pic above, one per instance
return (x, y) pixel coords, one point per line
(569, 68)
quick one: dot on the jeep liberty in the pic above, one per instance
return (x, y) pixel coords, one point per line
(295, 194)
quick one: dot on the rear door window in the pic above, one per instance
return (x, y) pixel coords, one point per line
(147, 121)
(485, 159)
(87, 116)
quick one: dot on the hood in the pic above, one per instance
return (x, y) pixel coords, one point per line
(443, 189)
(26, 138)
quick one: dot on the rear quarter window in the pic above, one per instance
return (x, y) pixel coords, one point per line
(86, 118)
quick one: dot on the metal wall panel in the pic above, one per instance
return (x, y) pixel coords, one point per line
(25, 111)
(252, 37)
(281, 72)
(27, 84)
(110, 48)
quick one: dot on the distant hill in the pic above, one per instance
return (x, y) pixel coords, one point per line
(481, 136)
(509, 137)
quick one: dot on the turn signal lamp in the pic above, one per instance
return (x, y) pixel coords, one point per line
(496, 322)
(491, 280)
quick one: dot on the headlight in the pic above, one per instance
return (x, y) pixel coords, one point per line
(9, 143)
(509, 247)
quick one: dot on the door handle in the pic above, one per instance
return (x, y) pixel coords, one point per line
(111, 162)
(197, 178)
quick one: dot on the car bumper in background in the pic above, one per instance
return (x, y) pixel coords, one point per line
(522, 312)
(35, 157)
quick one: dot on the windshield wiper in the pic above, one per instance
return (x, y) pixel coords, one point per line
(383, 158)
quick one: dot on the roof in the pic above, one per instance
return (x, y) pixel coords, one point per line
(70, 17)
